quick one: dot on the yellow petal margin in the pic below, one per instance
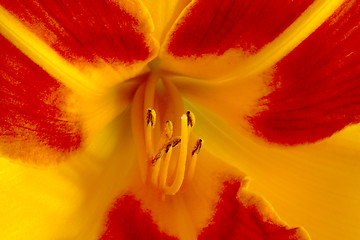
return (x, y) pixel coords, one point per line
(316, 186)
(66, 201)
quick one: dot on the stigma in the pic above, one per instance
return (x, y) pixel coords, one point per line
(171, 161)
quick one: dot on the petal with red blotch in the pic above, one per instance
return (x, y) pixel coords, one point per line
(316, 186)
(316, 88)
(144, 212)
(74, 194)
(242, 215)
(107, 35)
(209, 29)
(127, 221)
(34, 122)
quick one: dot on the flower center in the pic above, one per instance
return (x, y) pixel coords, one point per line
(166, 151)
(161, 159)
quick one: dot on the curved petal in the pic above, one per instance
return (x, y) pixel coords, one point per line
(214, 188)
(96, 38)
(310, 94)
(36, 111)
(243, 215)
(312, 185)
(213, 39)
(316, 88)
(41, 119)
(67, 200)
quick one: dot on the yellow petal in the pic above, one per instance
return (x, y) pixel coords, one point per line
(316, 186)
(237, 62)
(53, 45)
(66, 201)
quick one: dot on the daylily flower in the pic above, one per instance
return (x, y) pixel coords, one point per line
(130, 119)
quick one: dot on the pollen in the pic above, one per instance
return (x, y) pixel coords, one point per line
(170, 180)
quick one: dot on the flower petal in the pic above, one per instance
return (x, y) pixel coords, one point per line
(310, 94)
(164, 13)
(316, 88)
(242, 215)
(99, 37)
(214, 188)
(36, 112)
(312, 185)
(127, 220)
(222, 38)
(223, 25)
(74, 194)
(180, 215)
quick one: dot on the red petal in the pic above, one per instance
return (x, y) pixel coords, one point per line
(31, 105)
(127, 221)
(85, 29)
(234, 221)
(215, 26)
(317, 86)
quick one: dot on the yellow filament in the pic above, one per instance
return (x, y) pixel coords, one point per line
(150, 124)
(181, 163)
(156, 169)
(191, 170)
(164, 168)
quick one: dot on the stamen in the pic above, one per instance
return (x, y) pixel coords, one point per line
(197, 147)
(165, 168)
(150, 124)
(157, 160)
(191, 118)
(175, 141)
(159, 168)
(151, 117)
(191, 170)
(181, 163)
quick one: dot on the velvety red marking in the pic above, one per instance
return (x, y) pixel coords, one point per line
(86, 29)
(233, 221)
(127, 221)
(317, 86)
(30, 104)
(214, 26)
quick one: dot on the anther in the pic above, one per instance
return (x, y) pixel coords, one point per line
(190, 119)
(197, 147)
(175, 141)
(157, 156)
(191, 170)
(169, 129)
(151, 117)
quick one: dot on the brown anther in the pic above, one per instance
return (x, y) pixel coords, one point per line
(168, 147)
(190, 119)
(175, 141)
(157, 156)
(172, 143)
(150, 117)
(197, 147)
